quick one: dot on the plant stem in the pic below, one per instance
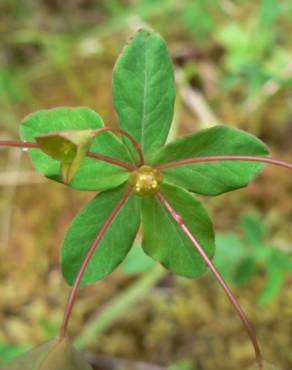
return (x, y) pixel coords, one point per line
(130, 137)
(101, 157)
(180, 221)
(92, 249)
(117, 162)
(18, 144)
(213, 158)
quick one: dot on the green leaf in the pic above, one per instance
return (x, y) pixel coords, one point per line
(93, 174)
(165, 241)
(136, 261)
(114, 245)
(254, 229)
(245, 270)
(212, 178)
(183, 365)
(9, 351)
(68, 147)
(278, 263)
(48, 356)
(269, 11)
(275, 281)
(144, 90)
(230, 251)
(283, 259)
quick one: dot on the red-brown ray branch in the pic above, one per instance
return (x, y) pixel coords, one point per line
(130, 137)
(101, 157)
(180, 221)
(92, 249)
(117, 162)
(214, 158)
(17, 144)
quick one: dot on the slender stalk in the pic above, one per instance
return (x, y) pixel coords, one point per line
(180, 221)
(130, 137)
(18, 144)
(92, 249)
(117, 162)
(213, 158)
(101, 157)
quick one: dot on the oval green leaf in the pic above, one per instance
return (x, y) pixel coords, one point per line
(165, 241)
(114, 245)
(212, 178)
(93, 174)
(144, 89)
(52, 355)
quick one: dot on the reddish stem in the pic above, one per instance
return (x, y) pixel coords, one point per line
(213, 158)
(18, 144)
(180, 221)
(92, 249)
(117, 162)
(130, 137)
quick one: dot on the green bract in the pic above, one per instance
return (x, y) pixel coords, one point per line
(68, 147)
(52, 355)
(143, 95)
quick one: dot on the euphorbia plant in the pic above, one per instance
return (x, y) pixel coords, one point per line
(140, 180)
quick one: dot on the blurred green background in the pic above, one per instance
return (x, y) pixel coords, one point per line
(233, 63)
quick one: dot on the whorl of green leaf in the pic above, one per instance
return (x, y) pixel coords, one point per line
(143, 96)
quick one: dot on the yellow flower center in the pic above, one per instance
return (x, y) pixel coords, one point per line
(145, 181)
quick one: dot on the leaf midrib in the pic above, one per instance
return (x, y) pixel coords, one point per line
(145, 92)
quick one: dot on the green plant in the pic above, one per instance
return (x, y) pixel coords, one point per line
(240, 257)
(140, 179)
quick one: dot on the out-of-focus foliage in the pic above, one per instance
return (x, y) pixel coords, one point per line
(60, 355)
(240, 52)
(7, 352)
(240, 257)
(182, 365)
